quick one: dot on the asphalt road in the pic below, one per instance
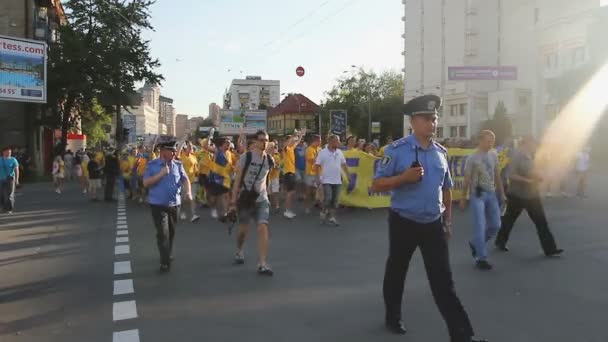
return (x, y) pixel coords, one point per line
(57, 255)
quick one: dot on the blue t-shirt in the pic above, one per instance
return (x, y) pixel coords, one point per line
(8, 167)
(168, 191)
(300, 152)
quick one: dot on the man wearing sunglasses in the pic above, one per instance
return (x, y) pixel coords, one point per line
(165, 179)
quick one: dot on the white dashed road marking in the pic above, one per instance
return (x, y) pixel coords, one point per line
(121, 249)
(124, 310)
(126, 336)
(122, 232)
(123, 286)
(122, 267)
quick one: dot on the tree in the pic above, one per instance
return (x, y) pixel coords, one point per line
(94, 121)
(500, 124)
(354, 93)
(101, 56)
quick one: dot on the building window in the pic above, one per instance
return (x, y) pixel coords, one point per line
(463, 109)
(453, 110)
(462, 131)
(439, 132)
(523, 100)
(453, 132)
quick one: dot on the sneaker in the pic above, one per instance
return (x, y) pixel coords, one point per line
(265, 270)
(239, 258)
(141, 200)
(84, 192)
(10, 212)
(289, 214)
(195, 218)
(483, 265)
(307, 211)
(164, 268)
(554, 253)
(333, 221)
(58, 191)
(323, 216)
(214, 213)
(182, 216)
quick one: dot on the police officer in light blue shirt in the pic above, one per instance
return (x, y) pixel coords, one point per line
(166, 178)
(415, 170)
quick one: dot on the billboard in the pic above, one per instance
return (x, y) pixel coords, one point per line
(337, 122)
(482, 73)
(375, 127)
(237, 121)
(22, 70)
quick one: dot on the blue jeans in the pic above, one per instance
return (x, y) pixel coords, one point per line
(486, 221)
(331, 196)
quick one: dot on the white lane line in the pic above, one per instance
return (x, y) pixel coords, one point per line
(124, 310)
(121, 249)
(122, 232)
(122, 226)
(122, 267)
(121, 222)
(121, 217)
(123, 286)
(122, 239)
(126, 336)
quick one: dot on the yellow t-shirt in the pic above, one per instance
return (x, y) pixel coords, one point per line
(274, 173)
(289, 160)
(85, 169)
(190, 166)
(311, 154)
(142, 162)
(204, 162)
(381, 152)
(99, 158)
(126, 169)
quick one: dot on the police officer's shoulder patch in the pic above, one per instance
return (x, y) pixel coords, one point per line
(385, 161)
(399, 142)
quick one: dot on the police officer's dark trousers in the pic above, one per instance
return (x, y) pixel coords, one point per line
(165, 219)
(109, 188)
(534, 207)
(404, 237)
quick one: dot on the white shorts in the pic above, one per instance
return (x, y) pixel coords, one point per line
(273, 186)
(94, 183)
(310, 181)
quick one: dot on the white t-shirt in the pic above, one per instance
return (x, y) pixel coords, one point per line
(582, 161)
(331, 165)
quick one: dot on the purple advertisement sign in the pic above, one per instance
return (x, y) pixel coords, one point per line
(487, 73)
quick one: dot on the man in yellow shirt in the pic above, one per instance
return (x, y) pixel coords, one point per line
(141, 162)
(190, 164)
(126, 171)
(273, 177)
(289, 172)
(204, 166)
(310, 178)
(389, 140)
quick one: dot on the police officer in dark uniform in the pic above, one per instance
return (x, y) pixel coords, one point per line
(415, 171)
(166, 178)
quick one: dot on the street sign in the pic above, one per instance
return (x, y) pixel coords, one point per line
(300, 71)
(375, 127)
(482, 73)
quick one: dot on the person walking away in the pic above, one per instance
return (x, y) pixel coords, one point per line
(482, 182)
(190, 164)
(9, 180)
(249, 199)
(68, 159)
(203, 157)
(111, 172)
(329, 164)
(141, 163)
(300, 154)
(84, 180)
(78, 167)
(220, 179)
(583, 164)
(166, 178)
(415, 170)
(94, 171)
(310, 178)
(126, 171)
(289, 173)
(524, 194)
(274, 186)
(58, 173)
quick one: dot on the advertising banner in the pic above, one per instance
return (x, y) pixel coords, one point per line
(375, 127)
(338, 121)
(233, 122)
(482, 73)
(356, 191)
(22, 70)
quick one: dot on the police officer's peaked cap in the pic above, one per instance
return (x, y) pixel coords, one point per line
(169, 145)
(422, 105)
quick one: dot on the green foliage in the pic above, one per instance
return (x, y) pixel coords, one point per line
(354, 93)
(101, 55)
(93, 121)
(500, 124)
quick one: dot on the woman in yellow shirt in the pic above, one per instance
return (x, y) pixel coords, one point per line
(273, 177)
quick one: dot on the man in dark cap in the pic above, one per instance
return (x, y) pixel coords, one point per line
(165, 177)
(415, 170)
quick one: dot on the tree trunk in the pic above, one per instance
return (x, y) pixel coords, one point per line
(65, 122)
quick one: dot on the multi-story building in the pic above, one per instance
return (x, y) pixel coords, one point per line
(167, 114)
(150, 95)
(475, 53)
(253, 93)
(181, 126)
(192, 126)
(146, 120)
(20, 122)
(296, 111)
(214, 113)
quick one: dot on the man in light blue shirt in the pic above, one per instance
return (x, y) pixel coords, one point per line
(9, 179)
(415, 170)
(165, 178)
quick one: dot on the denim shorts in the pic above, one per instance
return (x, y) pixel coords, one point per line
(260, 213)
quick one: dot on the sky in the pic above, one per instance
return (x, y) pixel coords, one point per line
(198, 41)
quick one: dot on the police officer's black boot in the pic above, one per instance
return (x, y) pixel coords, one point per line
(395, 325)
